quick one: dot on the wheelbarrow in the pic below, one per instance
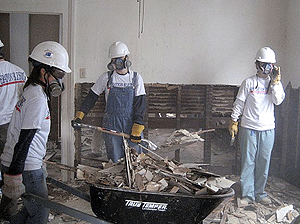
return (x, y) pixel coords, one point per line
(120, 205)
(128, 206)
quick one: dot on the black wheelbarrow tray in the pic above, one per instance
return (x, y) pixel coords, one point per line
(120, 205)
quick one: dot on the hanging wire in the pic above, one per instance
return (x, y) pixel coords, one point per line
(141, 16)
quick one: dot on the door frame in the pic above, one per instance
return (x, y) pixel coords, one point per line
(66, 11)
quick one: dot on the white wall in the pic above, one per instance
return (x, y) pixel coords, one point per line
(192, 41)
(19, 30)
(293, 43)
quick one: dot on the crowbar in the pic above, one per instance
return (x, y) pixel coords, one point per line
(150, 144)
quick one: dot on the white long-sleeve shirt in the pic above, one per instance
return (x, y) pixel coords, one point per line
(255, 104)
(31, 112)
(12, 80)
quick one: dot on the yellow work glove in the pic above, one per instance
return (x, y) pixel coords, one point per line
(78, 119)
(136, 132)
(276, 76)
(233, 128)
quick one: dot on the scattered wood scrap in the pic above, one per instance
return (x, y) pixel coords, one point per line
(182, 136)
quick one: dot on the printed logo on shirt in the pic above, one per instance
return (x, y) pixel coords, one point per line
(12, 78)
(122, 85)
(258, 90)
(20, 103)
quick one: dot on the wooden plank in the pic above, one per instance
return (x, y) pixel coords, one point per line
(207, 142)
(178, 112)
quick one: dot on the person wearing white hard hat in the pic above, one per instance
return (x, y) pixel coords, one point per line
(125, 102)
(12, 80)
(25, 148)
(254, 109)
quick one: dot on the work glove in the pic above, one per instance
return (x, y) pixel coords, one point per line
(276, 76)
(233, 128)
(13, 186)
(136, 132)
(78, 119)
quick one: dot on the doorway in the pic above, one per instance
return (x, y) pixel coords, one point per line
(41, 27)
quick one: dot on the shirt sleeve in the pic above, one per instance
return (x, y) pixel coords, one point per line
(278, 93)
(35, 112)
(238, 105)
(139, 108)
(140, 88)
(243, 91)
(100, 84)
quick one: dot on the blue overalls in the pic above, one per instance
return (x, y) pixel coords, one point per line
(118, 117)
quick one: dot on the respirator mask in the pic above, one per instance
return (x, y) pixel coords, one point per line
(119, 64)
(56, 87)
(265, 68)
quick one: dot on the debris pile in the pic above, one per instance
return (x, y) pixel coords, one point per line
(143, 172)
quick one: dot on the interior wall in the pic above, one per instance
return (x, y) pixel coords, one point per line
(293, 43)
(19, 39)
(194, 41)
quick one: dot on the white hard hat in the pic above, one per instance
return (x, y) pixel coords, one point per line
(53, 54)
(118, 49)
(1, 44)
(265, 54)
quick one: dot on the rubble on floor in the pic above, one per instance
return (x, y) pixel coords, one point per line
(284, 196)
(283, 209)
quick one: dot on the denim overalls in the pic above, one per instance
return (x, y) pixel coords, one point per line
(118, 117)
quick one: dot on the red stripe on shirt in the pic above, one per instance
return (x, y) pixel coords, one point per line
(18, 109)
(9, 83)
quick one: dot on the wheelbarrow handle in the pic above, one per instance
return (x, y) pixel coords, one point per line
(150, 144)
(112, 132)
(60, 208)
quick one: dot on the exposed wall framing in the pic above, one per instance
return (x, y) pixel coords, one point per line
(172, 106)
(209, 106)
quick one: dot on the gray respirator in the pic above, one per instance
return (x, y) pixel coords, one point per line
(119, 64)
(265, 68)
(56, 87)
